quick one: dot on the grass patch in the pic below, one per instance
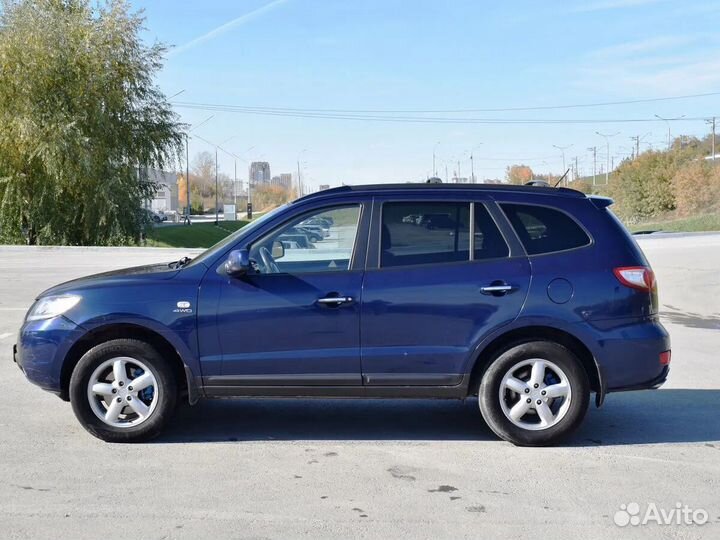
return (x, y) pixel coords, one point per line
(197, 235)
(708, 222)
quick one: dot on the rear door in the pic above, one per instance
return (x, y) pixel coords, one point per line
(432, 290)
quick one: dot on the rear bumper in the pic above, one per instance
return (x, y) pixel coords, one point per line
(41, 350)
(652, 384)
(628, 354)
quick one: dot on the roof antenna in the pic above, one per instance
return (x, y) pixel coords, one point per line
(562, 178)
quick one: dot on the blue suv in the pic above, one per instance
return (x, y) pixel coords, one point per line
(527, 298)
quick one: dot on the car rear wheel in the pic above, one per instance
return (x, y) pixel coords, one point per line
(534, 393)
(123, 391)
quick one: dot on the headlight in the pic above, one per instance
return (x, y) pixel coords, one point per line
(52, 306)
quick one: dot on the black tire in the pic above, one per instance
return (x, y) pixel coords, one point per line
(165, 394)
(489, 393)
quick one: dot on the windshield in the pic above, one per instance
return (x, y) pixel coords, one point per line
(237, 235)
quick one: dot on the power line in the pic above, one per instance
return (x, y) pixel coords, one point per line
(500, 109)
(418, 119)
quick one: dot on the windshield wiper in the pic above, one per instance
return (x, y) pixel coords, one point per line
(179, 264)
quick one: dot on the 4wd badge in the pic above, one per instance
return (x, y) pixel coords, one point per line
(183, 306)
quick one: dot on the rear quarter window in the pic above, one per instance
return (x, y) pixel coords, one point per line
(544, 230)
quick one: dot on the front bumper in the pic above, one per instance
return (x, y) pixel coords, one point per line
(41, 350)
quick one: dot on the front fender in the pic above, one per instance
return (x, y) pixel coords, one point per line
(181, 335)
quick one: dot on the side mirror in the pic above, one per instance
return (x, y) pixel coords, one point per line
(278, 250)
(238, 263)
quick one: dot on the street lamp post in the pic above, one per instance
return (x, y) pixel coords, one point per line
(472, 163)
(607, 144)
(435, 168)
(562, 151)
(235, 158)
(216, 187)
(667, 122)
(187, 164)
(301, 188)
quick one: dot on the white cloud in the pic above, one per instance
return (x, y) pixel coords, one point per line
(655, 66)
(634, 79)
(234, 23)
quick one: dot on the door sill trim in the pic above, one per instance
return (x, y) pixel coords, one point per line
(374, 392)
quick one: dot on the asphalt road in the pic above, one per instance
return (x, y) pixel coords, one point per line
(379, 469)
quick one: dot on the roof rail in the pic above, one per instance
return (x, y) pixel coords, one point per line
(359, 188)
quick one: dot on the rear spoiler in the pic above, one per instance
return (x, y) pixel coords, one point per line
(600, 202)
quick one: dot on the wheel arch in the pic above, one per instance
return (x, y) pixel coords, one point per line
(538, 333)
(186, 380)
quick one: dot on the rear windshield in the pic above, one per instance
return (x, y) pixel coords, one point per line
(544, 230)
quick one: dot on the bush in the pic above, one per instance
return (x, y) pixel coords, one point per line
(642, 188)
(696, 186)
(581, 185)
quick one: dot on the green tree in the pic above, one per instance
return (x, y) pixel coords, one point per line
(80, 120)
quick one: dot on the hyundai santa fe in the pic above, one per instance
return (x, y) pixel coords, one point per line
(525, 298)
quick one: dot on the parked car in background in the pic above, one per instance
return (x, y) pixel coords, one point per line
(312, 236)
(155, 217)
(411, 218)
(300, 239)
(525, 299)
(315, 230)
(436, 221)
(322, 223)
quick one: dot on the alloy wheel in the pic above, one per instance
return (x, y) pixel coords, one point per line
(123, 392)
(535, 394)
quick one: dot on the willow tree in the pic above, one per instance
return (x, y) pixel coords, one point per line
(80, 118)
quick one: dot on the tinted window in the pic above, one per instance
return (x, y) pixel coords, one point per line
(424, 233)
(544, 230)
(321, 241)
(489, 243)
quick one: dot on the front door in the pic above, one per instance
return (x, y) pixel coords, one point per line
(296, 321)
(432, 290)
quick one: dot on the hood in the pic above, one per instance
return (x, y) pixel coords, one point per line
(151, 272)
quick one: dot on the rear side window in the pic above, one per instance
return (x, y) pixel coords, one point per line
(431, 233)
(544, 230)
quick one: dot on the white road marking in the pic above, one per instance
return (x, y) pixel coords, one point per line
(6, 335)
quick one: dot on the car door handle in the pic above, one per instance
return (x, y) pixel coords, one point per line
(335, 300)
(497, 288)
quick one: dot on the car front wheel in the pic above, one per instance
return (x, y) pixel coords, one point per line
(534, 394)
(123, 391)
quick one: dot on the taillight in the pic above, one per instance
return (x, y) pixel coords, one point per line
(665, 358)
(636, 277)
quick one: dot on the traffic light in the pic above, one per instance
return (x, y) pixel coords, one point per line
(249, 211)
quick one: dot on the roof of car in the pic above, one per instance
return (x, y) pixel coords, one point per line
(365, 188)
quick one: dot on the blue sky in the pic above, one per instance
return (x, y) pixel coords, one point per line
(423, 55)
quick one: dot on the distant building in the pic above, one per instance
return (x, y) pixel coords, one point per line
(260, 172)
(166, 194)
(460, 180)
(323, 187)
(286, 180)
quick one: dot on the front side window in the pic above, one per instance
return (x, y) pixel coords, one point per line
(544, 230)
(320, 241)
(424, 233)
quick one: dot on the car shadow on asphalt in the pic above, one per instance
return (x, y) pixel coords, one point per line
(645, 417)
